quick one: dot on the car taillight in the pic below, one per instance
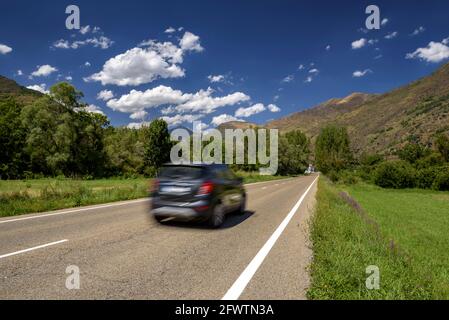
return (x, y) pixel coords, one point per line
(206, 188)
(154, 186)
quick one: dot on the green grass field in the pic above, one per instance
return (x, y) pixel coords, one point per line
(30, 196)
(403, 232)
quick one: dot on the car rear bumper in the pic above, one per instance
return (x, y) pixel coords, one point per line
(183, 211)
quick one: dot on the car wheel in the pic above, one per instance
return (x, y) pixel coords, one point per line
(218, 216)
(242, 207)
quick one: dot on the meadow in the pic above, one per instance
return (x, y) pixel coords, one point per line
(403, 232)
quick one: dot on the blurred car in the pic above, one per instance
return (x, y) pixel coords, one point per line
(199, 192)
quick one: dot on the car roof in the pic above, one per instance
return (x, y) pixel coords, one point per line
(206, 165)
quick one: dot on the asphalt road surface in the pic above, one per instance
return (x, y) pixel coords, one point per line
(122, 253)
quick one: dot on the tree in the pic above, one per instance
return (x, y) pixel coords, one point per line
(13, 160)
(332, 151)
(294, 153)
(412, 152)
(442, 145)
(157, 145)
(67, 95)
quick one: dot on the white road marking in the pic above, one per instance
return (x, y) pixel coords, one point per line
(31, 249)
(240, 284)
(75, 210)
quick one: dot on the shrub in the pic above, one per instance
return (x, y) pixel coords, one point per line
(395, 174)
(442, 181)
(425, 177)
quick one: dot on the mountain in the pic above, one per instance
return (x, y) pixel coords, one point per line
(10, 88)
(382, 123)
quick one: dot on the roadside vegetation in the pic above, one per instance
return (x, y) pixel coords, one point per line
(403, 232)
(389, 212)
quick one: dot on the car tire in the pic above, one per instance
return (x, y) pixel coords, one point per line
(158, 219)
(218, 216)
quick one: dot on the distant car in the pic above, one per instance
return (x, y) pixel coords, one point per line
(197, 192)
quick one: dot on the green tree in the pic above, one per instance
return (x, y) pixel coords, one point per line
(13, 160)
(157, 145)
(442, 145)
(294, 153)
(332, 151)
(412, 152)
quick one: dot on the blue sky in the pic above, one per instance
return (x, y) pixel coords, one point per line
(220, 60)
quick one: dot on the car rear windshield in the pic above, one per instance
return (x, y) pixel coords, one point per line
(181, 172)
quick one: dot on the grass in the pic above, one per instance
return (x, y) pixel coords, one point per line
(403, 232)
(31, 196)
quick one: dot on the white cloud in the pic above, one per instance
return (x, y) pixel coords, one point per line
(4, 49)
(358, 43)
(93, 109)
(384, 21)
(308, 80)
(97, 42)
(301, 67)
(419, 30)
(190, 42)
(223, 119)
(43, 71)
(276, 98)
(170, 30)
(328, 47)
(434, 52)
(42, 88)
(288, 78)
(137, 125)
(85, 29)
(69, 78)
(359, 74)
(391, 35)
(216, 79)
(105, 95)
(178, 119)
(19, 72)
(87, 64)
(445, 41)
(144, 65)
(201, 102)
(314, 71)
(373, 41)
(250, 111)
(139, 115)
(274, 108)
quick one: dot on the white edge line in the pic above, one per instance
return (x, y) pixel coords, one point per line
(34, 248)
(76, 210)
(240, 284)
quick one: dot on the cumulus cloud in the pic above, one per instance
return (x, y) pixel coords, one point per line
(391, 35)
(139, 115)
(91, 108)
(170, 30)
(137, 125)
(178, 119)
(250, 111)
(19, 72)
(434, 52)
(314, 71)
(384, 21)
(4, 49)
(308, 80)
(144, 64)
(105, 95)
(42, 88)
(43, 71)
(358, 43)
(328, 47)
(445, 41)
(87, 64)
(301, 67)
(273, 108)
(190, 42)
(202, 101)
(359, 73)
(223, 118)
(216, 79)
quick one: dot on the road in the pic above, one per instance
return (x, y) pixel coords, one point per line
(123, 254)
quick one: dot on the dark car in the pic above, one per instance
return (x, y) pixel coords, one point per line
(197, 192)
